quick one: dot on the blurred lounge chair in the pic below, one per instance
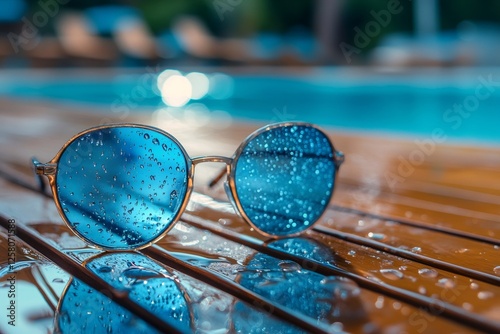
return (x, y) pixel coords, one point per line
(5, 49)
(107, 35)
(479, 42)
(196, 40)
(267, 45)
(84, 47)
(126, 26)
(403, 50)
(47, 52)
(169, 46)
(264, 48)
(19, 47)
(134, 39)
(477, 45)
(303, 44)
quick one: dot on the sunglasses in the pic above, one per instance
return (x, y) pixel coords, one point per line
(123, 186)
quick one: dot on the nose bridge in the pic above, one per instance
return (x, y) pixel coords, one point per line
(224, 171)
(213, 158)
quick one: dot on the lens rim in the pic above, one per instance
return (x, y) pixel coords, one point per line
(337, 159)
(53, 183)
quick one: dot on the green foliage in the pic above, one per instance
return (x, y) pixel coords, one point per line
(358, 13)
(247, 17)
(455, 11)
(160, 14)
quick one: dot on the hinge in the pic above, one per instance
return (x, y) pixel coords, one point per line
(45, 169)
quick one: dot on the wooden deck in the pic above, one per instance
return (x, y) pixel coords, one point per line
(415, 230)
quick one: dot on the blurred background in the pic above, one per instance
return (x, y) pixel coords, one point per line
(61, 33)
(408, 67)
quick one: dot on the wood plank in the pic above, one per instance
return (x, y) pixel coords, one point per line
(412, 238)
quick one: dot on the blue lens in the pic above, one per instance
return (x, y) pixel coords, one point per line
(284, 178)
(85, 310)
(122, 187)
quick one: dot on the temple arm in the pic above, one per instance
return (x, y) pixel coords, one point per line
(217, 178)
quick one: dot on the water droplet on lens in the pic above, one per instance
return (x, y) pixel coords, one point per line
(173, 195)
(289, 266)
(392, 274)
(426, 272)
(137, 272)
(105, 269)
(496, 270)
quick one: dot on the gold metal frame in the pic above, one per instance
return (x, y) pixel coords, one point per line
(49, 169)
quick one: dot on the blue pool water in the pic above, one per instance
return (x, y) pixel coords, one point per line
(464, 104)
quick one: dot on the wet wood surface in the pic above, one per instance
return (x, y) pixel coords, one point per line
(420, 238)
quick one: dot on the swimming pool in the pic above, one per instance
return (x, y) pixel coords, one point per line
(463, 103)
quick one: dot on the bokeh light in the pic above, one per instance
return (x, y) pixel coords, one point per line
(200, 84)
(221, 86)
(176, 91)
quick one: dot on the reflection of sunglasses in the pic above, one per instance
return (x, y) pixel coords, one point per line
(124, 186)
(181, 301)
(82, 309)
